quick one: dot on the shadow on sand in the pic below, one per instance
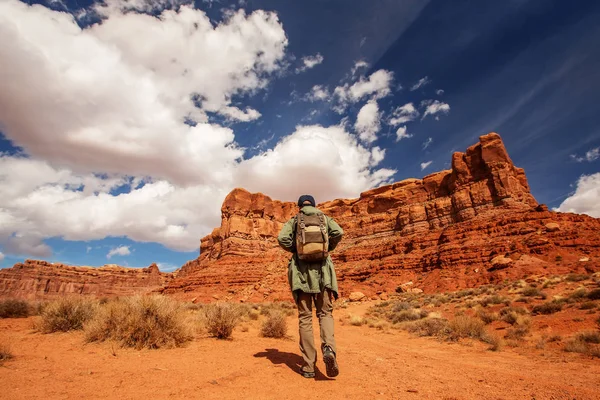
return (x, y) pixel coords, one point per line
(293, 361)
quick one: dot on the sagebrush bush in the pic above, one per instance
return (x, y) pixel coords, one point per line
(12, 308)
(274, 326)
(594, 294)
(356, 320)
(487, 317)
(429, 327)
(548, 308)
(589, 337)
(464, 326)
(531, 291)
(66, 314)
(141, 322)
(221, 319)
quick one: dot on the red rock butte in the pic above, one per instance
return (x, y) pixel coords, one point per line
(474, 224)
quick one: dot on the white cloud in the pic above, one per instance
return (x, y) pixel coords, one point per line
(111, 7)
(318, 93)
(166, 267)
(422, 82)
(591, 155)
(401, 133)
(377, 156)
(359, 65)
(367, 122)
(586, 199)
(103, 101)
(434, 107)
(118, 251)
(326, 162)
(439, 92)
(427, 143)
(377, 86)
(425, 165)
(309, 62)
(88, 249)
(95, 111)
(403, 114)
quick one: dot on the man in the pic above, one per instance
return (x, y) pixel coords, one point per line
(310, 236)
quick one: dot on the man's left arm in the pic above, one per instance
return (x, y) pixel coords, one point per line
(335, 233)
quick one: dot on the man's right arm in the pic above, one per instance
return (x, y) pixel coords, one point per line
(286, 236)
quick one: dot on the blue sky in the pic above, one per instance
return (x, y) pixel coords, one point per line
(124, 124)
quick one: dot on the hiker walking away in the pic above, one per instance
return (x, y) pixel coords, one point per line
(310, 236)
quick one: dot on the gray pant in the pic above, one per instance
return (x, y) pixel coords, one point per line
(324, 305)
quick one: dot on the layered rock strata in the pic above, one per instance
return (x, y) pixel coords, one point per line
(440, 232)
(38, 280)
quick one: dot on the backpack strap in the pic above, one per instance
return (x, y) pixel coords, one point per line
(302, 227)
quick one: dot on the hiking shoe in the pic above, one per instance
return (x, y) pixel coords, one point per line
(307, 374)
(331, 366)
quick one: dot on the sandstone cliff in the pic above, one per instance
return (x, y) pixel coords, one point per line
(37, 280)
(473, 224)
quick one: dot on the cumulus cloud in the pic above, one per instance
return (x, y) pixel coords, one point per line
(118, 136)
(118, 251)
(401, 133)
(433, 107)
(318, 93)
(309, 62)
(327, 162)
(422, 82)
(367, 122)
(359, 65)
(403, 114)
(102, 100)
(586, 199)
(427, 143)
(377, 85)
(425, 165)
(591, 155)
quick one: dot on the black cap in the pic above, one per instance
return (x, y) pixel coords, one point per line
(305, 198)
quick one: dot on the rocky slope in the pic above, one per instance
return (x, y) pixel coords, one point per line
(473, 224)
(38, 280)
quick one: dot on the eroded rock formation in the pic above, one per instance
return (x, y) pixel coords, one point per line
(38, 280)
(440, 232)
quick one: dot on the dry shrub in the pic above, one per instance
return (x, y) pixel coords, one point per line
(5, 353)
(66, 314)
(495, 299)
(494, 340)
(594, 294)
(407, 315)
(277, 307)
(576, 277)
(548, 308)
(221, 319)
(464, 326)
(13, 308)
(141, 322)
(579, 344)
(588, 305)
(487, 317)
(578, 294)
(356, 320)
(430, 327)
(253, 314)
(589, 337)
(531, 291)
(274, 326)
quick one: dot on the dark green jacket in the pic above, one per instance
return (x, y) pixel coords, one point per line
(310, 277)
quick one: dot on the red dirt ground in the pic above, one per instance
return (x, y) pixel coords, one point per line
(373, 365)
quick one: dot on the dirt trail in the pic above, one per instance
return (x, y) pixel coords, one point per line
(373, 364)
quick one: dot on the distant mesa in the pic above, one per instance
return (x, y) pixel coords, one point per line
(474, 224)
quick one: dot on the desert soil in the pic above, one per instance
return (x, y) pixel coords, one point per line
(373, 365)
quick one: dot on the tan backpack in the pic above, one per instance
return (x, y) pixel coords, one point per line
(312, 239)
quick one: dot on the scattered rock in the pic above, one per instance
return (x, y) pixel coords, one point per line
(356, 296)
(384, 296)
(404, 288)
(552, 227)
(584, 259)
(500, 262)
(416, 290)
